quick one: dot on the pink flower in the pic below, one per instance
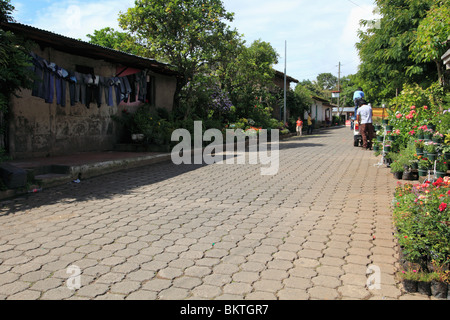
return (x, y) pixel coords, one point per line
(398, 116)
(413, 107)
(425, 107)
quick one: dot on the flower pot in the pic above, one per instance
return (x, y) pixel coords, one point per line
(389, 128)
(427, 136)
(385, 121)
(447, 156)
(439, 289)
(387, 148)
(380, 138)
(420, 136)
(431, 156)
(406, 175)
(437, 139)
(419, 150)
(376, 148)
(414, 165)
(423, 172)
(431, 127)
(441, 174)
(137, 137)
(410, 285)
(392, 138)
(398, 175)
(424, 288)
(425, 154)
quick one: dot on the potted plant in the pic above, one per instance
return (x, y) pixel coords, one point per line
(440, 278)
(387, 147)
(437, 137)
(397, 169)
(410, 280)
(445, 149)
(428, 134)
(420, 132)
(441, 169)
(424, 165)
(376, 146)
(380, 135)
(430, 148)
(419, 144)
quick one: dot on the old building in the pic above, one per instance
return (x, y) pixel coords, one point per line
(79, 87)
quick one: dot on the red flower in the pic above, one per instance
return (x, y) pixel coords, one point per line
(442, 206)
(425, 107)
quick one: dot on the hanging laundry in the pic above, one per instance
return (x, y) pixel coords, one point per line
(141, 79)
(61, 86)
(38, 89)
(49, 79)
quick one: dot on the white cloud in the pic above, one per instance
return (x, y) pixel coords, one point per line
(349, 36)
(76, 19)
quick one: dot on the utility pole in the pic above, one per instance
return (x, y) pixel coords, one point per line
(339, 89)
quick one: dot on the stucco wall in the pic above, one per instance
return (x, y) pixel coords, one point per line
(39, 129)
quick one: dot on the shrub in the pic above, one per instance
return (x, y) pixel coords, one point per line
(422, 219)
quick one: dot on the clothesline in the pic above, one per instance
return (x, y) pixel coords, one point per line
(51, 80)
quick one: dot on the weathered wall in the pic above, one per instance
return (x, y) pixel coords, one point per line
(39, 129)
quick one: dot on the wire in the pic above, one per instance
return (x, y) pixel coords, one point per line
(354, 3)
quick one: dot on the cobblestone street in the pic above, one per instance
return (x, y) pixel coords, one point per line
(211, 231)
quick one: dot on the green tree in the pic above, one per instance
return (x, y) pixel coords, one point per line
(249, 80)
(14, 64)
(431, 36)
(186, 33)
(384, 49)
(122, 41)
(303, 97)
(327, 81)
(6, 10)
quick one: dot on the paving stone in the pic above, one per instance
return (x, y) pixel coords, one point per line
(92, 290)
(237, 288)
(26, 295)
(206, 291)
(173, 294)
(323, 293)
(228, 238)
(292, 294)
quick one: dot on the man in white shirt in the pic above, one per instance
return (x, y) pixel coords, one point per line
(364, 117)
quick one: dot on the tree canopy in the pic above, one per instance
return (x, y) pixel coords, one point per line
(122, 41)
(385, 49)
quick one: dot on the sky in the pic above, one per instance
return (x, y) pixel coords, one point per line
(318, 34)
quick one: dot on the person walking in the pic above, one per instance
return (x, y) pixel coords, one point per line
(364, 118)
(357, 95)
(299, 127)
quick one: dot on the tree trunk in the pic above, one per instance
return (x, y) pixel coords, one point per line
(441, 79)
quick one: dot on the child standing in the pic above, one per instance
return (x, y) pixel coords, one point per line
(299, 127)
